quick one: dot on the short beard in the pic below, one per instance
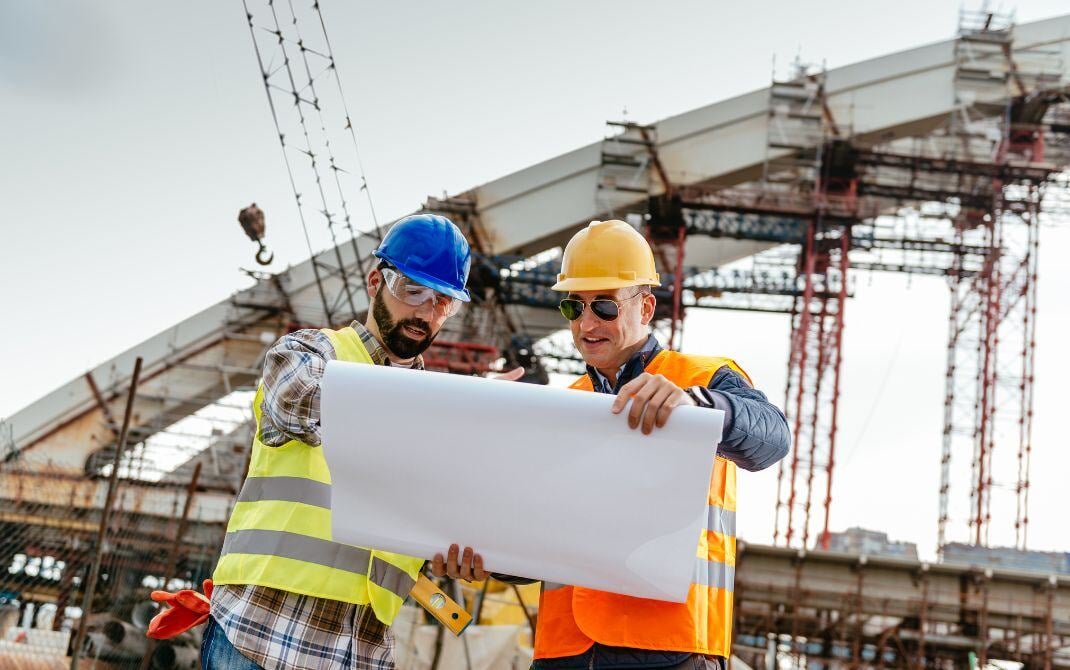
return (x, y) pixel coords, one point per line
(394, 338)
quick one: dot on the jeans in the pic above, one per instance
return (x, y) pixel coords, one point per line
(602, 657)
(217, 653)
(700, 662)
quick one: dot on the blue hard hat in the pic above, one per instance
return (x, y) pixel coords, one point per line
(430, 250)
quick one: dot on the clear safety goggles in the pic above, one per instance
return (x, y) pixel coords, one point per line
(411, 293)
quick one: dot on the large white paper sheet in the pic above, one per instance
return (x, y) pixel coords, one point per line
(544, 482)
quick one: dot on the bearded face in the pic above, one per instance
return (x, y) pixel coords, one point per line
(405, 338)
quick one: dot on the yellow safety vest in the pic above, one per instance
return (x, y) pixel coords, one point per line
(279, 534)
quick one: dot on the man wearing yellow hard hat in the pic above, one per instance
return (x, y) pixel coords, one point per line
(607, 273)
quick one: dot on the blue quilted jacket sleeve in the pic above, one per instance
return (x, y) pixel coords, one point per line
(756, 432)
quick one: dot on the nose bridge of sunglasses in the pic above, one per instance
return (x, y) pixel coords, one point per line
(602, 308)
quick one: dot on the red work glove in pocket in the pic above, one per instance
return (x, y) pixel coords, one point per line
(188, 609)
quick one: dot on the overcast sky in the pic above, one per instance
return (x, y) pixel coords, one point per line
(131, 134)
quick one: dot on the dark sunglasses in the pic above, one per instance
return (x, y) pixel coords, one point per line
(603, 308)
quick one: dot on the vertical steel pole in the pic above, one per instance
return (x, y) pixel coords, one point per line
(105, 515)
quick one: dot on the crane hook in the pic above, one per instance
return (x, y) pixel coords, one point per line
(260, 255)
(252, 222)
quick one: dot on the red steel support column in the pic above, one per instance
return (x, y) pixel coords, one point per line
(837, 351)
(800, 355)
(1029, 343)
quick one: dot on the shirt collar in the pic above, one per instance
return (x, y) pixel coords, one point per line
(631, 369)
(376, 350)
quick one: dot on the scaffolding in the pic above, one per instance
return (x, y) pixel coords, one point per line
(962, 202)
(988, 408)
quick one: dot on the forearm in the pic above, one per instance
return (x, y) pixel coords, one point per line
(755, 432)
(293, 369)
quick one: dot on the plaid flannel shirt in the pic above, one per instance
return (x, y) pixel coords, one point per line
(277, 629)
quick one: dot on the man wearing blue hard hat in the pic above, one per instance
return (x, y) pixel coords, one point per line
(285, 595)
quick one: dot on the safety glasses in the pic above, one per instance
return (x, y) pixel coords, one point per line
(603, 308)
(413, 294)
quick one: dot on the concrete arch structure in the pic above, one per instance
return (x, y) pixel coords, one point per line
(203, 358)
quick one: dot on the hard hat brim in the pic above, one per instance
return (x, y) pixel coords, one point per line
(598, 284)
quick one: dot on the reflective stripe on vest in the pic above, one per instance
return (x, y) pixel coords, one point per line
(279, 533)
(572, 619)
(289, 489)
(720, 520)
(321, 552)
(713, 573)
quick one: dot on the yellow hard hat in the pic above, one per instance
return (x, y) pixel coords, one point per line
(606, 255)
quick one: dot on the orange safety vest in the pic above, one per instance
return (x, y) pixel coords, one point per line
(572, 618)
